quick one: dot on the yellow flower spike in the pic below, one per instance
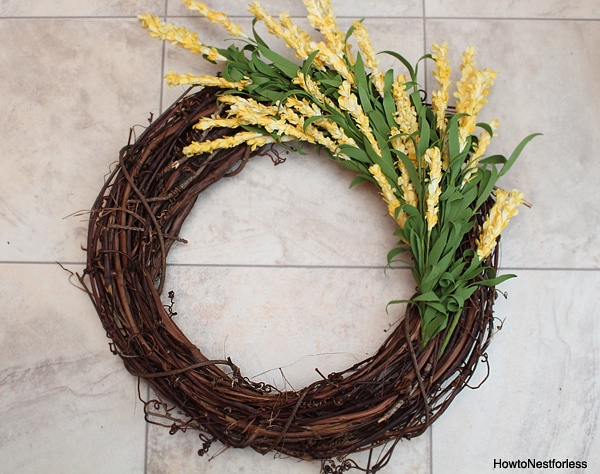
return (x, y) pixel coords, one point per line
(440, 98)
(406, 118)
(299, 33)
(215, 17)
(370, 57)
(257, 142)
(294, 37)
(298, 39)
(500, 214)
(179, 36)
(197, 148)
(307, 83)
(174, 79)
(406, 115)
(321, 17)
(433, 158)
(386, 189)
(237, 103)
(408, 192)
(472, 89)
(349, 102)
(208, 123)
(330, 57)
(310, 109)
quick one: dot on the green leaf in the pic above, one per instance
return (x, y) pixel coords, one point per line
(438, 247)
(488, 181)
(393, 253)
(389, 104)
(428, 297)
(380, 126)
(487, 127)
(307, 65)
(453, 141)
(515, 154)
(310, 120)
(423, 144)
(412, 172)
(287, 67)
(495, 281)
(433, 323)
(355, 153)
(493, 160)
(405, 62)
(359, 179)
(262, 67)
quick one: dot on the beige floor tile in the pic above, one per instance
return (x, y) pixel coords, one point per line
(70, 90)
(54, 8)
(540, 401)
(67, 403)
(547, 77)
(580, 9)
(311, 317)
(277, 248)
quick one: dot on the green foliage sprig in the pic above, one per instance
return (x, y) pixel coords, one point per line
(425, 158)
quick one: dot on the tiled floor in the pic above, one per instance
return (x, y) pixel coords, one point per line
(272, 253)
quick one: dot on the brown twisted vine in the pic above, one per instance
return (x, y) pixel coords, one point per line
(396, 393)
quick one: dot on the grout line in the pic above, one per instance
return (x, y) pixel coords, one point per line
(449, 18)
(300, 266)
(295, 17)
(407, 17)
(146, 434)
(431, 449)
(425, 49)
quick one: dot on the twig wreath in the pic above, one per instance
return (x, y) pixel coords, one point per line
(428, 165)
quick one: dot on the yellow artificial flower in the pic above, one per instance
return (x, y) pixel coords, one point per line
(262, 140)
(208, 123)
(321, 17)
(248, 106)
(174, 79)
(472, 89)
(386, 189)
(286, 30)
(500, 214)
(307, 83)
(440, 98)
(215, 17)
(329, 57)
(299, 40)
(349, 102)
(406, 118)
(408, 192)
(433, 158)
(197, 148)
(179, 36)
(310, 109)
(370, 57)
(299, 33)
(406, 115)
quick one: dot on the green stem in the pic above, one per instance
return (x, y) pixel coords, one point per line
(450, 332)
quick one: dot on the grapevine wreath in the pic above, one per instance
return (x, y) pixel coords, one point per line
(425, 159)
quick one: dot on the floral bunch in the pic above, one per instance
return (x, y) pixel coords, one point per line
(425, 159)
